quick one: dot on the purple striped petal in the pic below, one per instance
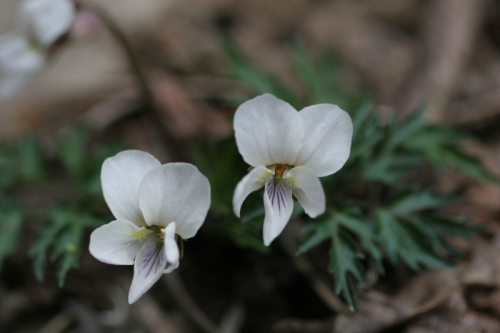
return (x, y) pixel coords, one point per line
(278, 205)
(148, 268)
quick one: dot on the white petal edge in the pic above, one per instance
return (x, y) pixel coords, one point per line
(170, 245)
(171, 268)
(253, 181)
(310, 192)
(149, 266)
(17, 56)
(19, 62)
(268, 131)
(327, 140)
(278, 205)
(121, 176)
(117, 242)
(47, 19)
(175, 192)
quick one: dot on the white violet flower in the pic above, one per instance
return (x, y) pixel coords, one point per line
(288, 151)
(153, 205)
(23, 52)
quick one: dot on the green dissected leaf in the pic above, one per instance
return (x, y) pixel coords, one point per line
(345, 260)
(440, 146)
(316, 233)
(359, 118)
(22, 162)
(62, 237)
(390, 169)
(10, 230)
(57, 221)
(366, 233)
(401, 241)
(39, 266)
(468, 165)
(44, 240)
(83, 162)
(428, 136)
(413, 202)
(68, 249)
(385, 162)
(437, 229)
(398, 132)
(30, 160)
(68, 261)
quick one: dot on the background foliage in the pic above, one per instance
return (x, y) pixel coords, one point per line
(379, 206)
(68, 171)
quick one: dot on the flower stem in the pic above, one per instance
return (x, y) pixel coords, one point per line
(119, 36)
(150, 107)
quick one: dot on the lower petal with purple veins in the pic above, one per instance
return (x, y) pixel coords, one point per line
(278, 204)
(150, 264)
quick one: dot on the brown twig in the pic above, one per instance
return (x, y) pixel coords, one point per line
(181, 295)
(150, 107)
(120, 37)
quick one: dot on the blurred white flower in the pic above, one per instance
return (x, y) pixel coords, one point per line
(153, 205)
(19, 61)
(23, 52)
(288, 151)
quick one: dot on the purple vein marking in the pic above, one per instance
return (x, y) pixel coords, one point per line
(118, 250)
(278, 191)
(130, 243)
(156, 254)
(282, 195)
(279, 205)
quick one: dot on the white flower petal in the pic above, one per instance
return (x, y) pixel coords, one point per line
(171, 268)
(47, 19)
(170, 245)
(175, 192)
(253, 181)
(310, 192)
(327, 139)
(18, 63)
(117, 242)
(268, 131)
(17, 56)
(121, 176)
(149, 266)
(278, 204)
